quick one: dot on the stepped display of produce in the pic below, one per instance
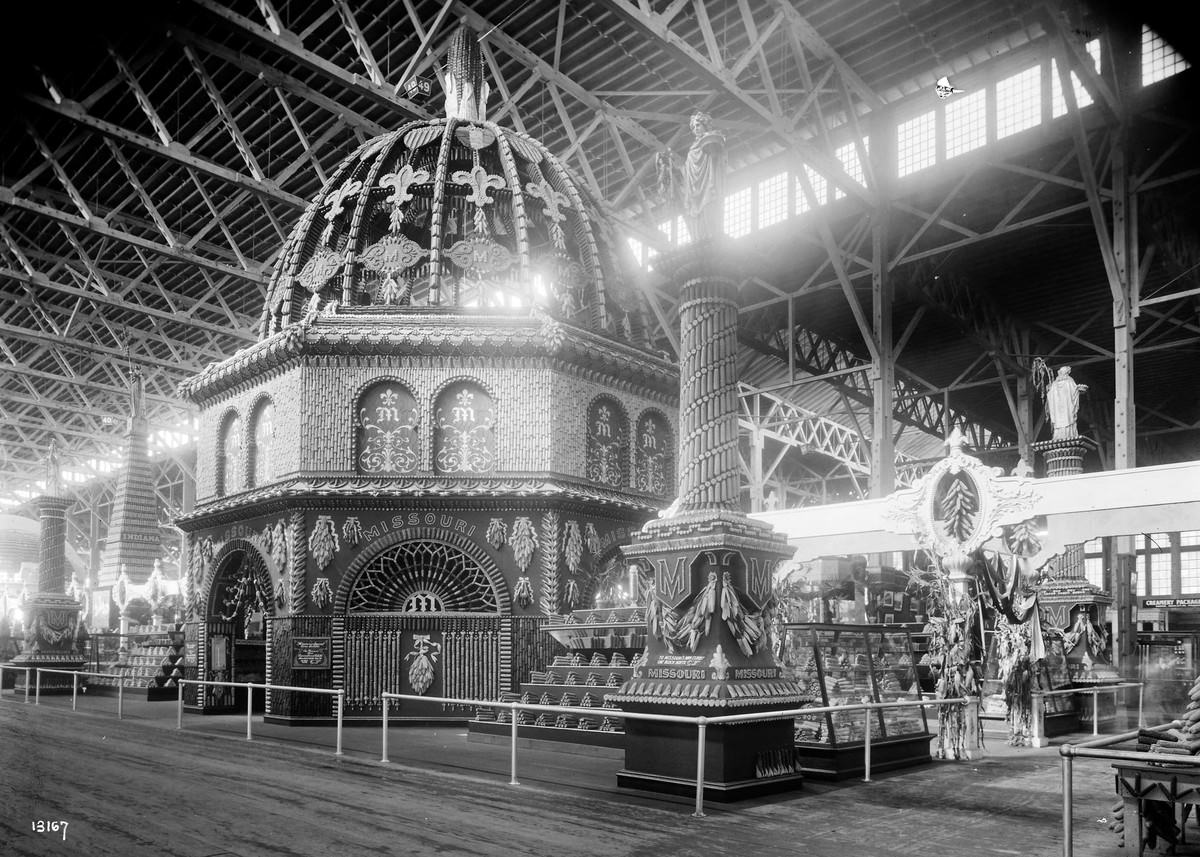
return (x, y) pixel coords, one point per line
(602, 648)
(154, 661)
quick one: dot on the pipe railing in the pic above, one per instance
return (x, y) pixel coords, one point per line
(1093, 750)
(75, 674)
(26, 670)
(1039, 707)
(250, 685)
(701, 723)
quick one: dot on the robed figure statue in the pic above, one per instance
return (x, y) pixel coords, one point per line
(699, 185)
(1062, 400)
(704, 180)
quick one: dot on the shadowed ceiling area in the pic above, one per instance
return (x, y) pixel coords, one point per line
(155, 156)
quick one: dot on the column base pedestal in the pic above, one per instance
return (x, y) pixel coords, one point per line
(741, 760)
(54, 620)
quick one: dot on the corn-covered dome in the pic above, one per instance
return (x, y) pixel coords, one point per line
(456, 212)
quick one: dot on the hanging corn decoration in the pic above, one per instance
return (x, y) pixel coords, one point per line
(572, 546)
(591, 539)
(525, 541)
(323, 542)
(497, 533)
(424, 658)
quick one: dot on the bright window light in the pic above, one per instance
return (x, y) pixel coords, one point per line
(737, 213)
(966, 123)
(916, 143)
(682, 234)
(1159, 60)
(1019, 102)
(1058, 104)
(773, 200)
(848, 155)
(820, 189)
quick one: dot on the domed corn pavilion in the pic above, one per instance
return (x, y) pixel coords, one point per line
(450, 423)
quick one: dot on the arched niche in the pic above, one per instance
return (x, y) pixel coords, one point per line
(387, 432)
(464, 438)
(607, 449)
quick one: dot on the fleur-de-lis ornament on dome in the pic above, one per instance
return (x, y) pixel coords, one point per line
(480, 182)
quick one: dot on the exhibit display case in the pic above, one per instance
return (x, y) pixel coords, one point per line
(847, 665)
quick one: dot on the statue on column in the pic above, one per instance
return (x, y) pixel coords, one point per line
(1062, 399)
(704, 180)
(53, 469)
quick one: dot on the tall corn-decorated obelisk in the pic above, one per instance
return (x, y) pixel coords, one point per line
(708, 612)
(53, 634)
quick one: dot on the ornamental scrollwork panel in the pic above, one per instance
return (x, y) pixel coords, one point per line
(654, 455)
(607, 457)
(387, 431)
(464, 434)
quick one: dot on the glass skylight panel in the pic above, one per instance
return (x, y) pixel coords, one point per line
(1159, 60)
(635, 246)
(773, 200)
(1019, 102)
(737, 213)
(820, 189)
(1093, 570)
(682, 234)
(966, 123)
(916, 144)
(848, 155)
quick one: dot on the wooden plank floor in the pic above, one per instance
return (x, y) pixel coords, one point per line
(138, 786)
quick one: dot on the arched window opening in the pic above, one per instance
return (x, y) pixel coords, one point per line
(262, 444)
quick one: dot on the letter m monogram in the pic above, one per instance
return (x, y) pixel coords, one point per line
(672, 583)
(758, 580)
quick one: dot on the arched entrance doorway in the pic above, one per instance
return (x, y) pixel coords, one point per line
(425, 616)
(237, 627)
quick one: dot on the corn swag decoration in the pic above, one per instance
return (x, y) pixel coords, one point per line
(572, 546)
(322, 593)
(497, 533)
(352, 531)
(324, 542)
(424, 658)
(524, 541)
(523, 593)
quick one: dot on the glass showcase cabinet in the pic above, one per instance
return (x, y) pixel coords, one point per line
(847, 665)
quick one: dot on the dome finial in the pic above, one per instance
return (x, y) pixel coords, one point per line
(466, 90)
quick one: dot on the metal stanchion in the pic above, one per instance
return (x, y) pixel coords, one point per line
(867, 746)
(1095, 712)
(249, 708)
(1141, 687)
(513, 781)
(340, 695)
(120, 701)
(179, 709)
(384, 758)
(1038, 725)
(74, 689)
(26, 685)
(1068, 822)
(37, 692)
(701, 729)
